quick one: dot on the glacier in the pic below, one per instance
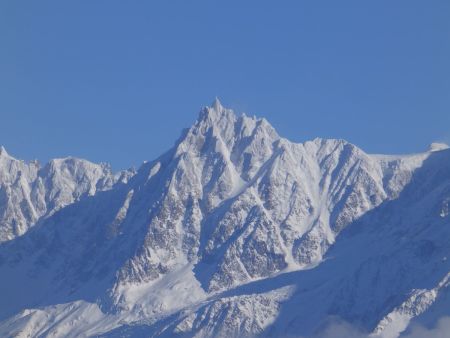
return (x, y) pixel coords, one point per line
(233, 232)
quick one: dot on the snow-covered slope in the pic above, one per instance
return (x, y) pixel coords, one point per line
(234, 231)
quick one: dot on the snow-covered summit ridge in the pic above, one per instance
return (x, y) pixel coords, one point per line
(29, 191)
(226, 120)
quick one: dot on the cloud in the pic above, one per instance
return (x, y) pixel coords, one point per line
(442, 330)
(335, 327)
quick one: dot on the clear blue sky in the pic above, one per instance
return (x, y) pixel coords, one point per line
(116, 81)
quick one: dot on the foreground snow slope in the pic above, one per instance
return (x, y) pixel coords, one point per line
(234, 231)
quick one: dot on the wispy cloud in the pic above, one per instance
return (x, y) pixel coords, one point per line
(336, 328)
(442, 330)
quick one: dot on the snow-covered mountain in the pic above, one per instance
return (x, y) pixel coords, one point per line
(29, 192)
(235, 231)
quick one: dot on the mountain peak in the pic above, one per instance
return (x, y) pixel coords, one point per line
(3, 151)
(216, 112)
(216, 105)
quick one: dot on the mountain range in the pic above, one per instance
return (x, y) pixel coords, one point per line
(233, 232)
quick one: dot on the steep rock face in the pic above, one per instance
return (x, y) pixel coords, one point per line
(242, 203)
(387, 268)
(231, 205)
